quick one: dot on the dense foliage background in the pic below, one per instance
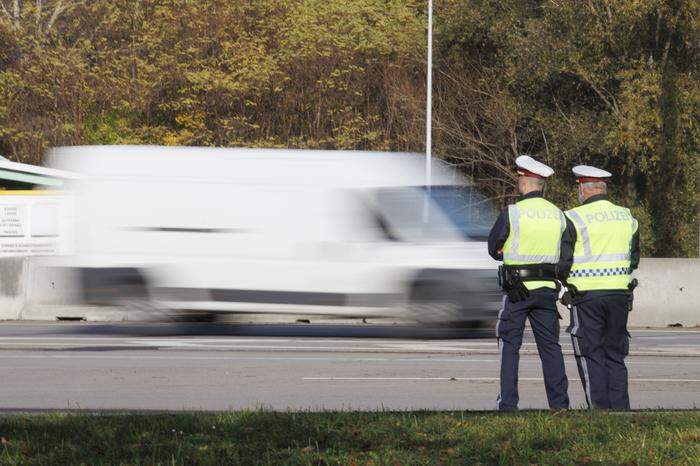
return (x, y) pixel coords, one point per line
(612, 83)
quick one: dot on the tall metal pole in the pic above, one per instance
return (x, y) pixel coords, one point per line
(429, 102)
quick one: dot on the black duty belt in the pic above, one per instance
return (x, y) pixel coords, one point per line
(513, 276)
(532, 272)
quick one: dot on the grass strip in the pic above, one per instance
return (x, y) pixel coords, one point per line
(353, 438)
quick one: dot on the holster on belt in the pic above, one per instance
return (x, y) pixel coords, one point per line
(512, 278)
(567, 299)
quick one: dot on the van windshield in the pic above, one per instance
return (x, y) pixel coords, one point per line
(470, 211)
(447, 213)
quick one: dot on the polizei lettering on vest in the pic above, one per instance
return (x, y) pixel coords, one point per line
(540, 214)
(608, 216)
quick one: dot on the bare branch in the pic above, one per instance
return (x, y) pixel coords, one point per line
(58, 9)
(659, 18)
(609, 101)
(15, 12)
(546, 146)
(39, 6)
(564, 115)
(669, 39)
(476, 123)
(4, 10)
(593, 9)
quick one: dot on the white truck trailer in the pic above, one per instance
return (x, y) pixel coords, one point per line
(215, 230)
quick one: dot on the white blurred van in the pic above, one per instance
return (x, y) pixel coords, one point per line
(337, 233)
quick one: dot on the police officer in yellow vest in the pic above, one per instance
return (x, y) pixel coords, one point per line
(527, 237)
(606, 252)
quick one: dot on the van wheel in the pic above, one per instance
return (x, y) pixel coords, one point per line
(431, 304)
(143, 310)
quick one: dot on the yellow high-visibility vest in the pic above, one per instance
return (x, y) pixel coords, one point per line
(536, 226)
(604, 234)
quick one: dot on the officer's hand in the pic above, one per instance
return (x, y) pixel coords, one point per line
(518, 292)
(566, 298)
(514, 295)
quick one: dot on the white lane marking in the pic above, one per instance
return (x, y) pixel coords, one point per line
(465, 379)
(417, 348)
(239, 345)
(384, 343)
(486, 379)
(19, 346)
(661, 337)
(172, 356)
(651, 330)
(455, 345)
(235, 339)
(181, 344)
(377, 345)
(238, 358)
(67, 345)
(244, 344)
(236, 342)
(665, 380)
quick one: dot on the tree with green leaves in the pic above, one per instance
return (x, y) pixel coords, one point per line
(612, 83)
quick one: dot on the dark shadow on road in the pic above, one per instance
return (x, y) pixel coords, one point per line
(249, 330)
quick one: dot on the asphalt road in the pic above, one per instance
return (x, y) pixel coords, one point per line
(205, 367)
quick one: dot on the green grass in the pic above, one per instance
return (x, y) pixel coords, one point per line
(352, 438)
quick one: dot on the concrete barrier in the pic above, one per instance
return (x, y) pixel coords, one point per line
(13, 287)
(42, 288)
(668, 293)
(31, 288)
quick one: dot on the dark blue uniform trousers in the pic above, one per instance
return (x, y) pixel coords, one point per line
(599, 335)
(540, 308)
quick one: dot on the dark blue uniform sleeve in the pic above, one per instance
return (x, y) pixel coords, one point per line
(498, 236)
(634, 251)
(566, 251)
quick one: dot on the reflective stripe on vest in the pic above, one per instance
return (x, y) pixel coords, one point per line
(604, 234)
(514, 252)
(536, 226)
(588, 255)
(604, 272)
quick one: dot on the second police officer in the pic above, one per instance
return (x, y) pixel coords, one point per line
(600, 289)
(529, 237)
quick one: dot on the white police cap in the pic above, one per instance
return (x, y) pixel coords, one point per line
(587, 173)
(527, 166)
